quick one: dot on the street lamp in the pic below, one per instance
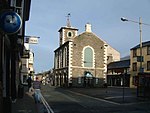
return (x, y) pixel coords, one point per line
(140, 27)
(139, 58)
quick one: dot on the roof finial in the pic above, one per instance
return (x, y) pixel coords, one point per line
(68, 20)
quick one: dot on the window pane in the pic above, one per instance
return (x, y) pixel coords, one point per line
(148, 50)
(134, 53)
(88, 57)
(148, 65)
(134, 66)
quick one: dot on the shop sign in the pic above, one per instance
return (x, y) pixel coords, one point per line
(32, 40)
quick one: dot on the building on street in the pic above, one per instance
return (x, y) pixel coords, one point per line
(118, 73)
(135, 61)
(81, 59)
(140, 69)
(13, 15)
(27, 62)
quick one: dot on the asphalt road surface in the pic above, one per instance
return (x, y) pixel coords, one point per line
(68, 101)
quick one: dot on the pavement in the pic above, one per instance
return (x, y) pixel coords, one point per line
(27, 104)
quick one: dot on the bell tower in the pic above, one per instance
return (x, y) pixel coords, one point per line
(67, 33)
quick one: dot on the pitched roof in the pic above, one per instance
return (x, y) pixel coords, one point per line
(119, 64)
(125, 58)
(90, 35)
(144, 44)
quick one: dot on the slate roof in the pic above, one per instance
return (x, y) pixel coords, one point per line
(119, 64)
(144, 44)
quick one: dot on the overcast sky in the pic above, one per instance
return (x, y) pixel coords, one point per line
(47, 16)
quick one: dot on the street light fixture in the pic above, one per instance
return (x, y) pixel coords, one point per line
(124, 19)
(139, 58)
(140, 27)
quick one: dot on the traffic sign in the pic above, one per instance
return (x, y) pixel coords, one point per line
(10, 22)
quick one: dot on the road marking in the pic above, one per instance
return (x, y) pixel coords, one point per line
(95, 98)
(107, 101)
(48, 108)
(117, 97)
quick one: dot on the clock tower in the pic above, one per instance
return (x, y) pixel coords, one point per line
(67, 33)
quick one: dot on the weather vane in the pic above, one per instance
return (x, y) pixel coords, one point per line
(68, 20)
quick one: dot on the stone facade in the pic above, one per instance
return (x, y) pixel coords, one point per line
(81, 60)
(87, 40)
(135, 64)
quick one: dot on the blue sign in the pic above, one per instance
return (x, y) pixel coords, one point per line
(10, 22)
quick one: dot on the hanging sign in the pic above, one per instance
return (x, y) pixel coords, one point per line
(32, 39)
(10, 22)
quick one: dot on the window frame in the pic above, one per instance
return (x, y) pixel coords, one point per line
(69, 34)
(148, 50)
(148, 65)
(134, 66)
(134, 52)
(88, 62)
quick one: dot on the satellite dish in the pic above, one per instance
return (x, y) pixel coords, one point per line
(10, 22)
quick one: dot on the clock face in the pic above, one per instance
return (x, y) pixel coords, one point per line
(69, 34)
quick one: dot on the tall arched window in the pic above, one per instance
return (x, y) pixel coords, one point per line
(88, 57)
(65, 57)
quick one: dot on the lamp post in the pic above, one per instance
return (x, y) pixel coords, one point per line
(139, 58)
(140, 29)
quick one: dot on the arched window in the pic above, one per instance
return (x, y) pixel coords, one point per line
(65, 57)
(88, 57)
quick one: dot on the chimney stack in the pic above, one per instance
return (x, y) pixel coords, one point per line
(88, 27)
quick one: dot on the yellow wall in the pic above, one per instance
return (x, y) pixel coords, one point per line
(134, 60)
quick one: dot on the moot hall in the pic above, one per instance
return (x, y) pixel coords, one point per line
(81, 59)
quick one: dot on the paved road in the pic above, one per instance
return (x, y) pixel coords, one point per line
(76, 101)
